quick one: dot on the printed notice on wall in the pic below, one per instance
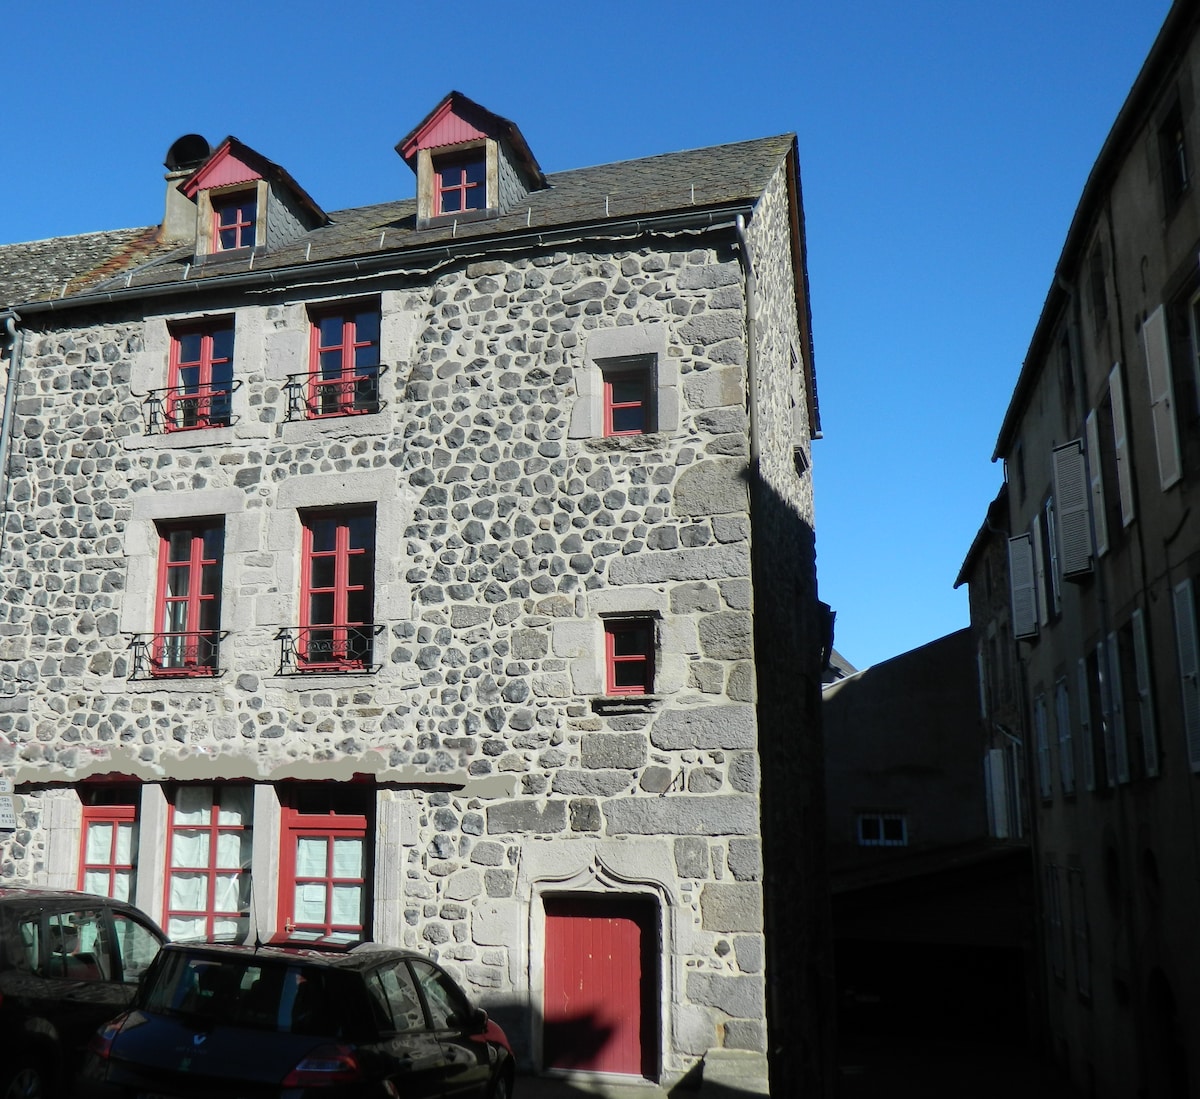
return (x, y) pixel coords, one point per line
(8, 813)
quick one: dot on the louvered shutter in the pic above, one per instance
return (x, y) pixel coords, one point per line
(1045, 785)
(1117, 695)
(1087, 749)
(1021, 582)
(1071, 505)
(1116, 390)
(997, 792)
(1042, 592)
(1066, 749)
(1106, 716)
(1162, 401)
(1185, 640)
(1141, 662)
(1095, 471)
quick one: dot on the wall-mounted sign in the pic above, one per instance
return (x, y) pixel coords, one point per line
(8, 812)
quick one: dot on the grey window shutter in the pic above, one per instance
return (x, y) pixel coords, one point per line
(1185, 642)
(1095, 470)
(1066, 750)
(997, 792)
(1117, 695)
(1087, 750)
(1141, 661)
(1116, 390)
(1162, 399)
(982, 672)
(1024, 596)
(1106, 715)
(1045, 784)
(1071, 495)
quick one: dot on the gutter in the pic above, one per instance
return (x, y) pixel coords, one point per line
(16, 343)
(751, 342)
(419, 260)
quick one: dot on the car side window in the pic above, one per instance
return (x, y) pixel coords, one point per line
(402, 997)
(448, 1007)
(30, 932)
(79, 946)
(137, 947)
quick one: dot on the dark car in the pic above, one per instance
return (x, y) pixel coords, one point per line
(68, 963)
(249, 1022)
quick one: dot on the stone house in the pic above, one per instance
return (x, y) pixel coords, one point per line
(1101, 508)
(440, 572)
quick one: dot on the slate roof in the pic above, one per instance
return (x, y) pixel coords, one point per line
(710, 178)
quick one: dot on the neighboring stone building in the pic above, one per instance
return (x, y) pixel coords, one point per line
(440, 571)
(1101, 445)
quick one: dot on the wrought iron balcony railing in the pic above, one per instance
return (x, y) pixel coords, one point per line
(328, 649)
(189, 407)
(176, 655)
(316, 395)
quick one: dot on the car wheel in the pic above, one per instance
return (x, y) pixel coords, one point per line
(502, 1086)
(25, 1082)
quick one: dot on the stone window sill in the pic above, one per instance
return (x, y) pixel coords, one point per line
(626, 704)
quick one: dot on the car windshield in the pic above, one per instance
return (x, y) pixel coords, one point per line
(253, 992)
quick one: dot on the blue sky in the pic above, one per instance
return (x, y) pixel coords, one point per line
(943, 146)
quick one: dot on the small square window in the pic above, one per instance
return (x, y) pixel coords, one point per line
(460, 184)
(235, 219)
(628, 397)
(882, 830)
(629, 656)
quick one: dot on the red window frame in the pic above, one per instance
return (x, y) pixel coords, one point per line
(629, 656)
(343, 376)
(333, 636)
(188, 604)
(200, 388)
(332, 825)
(116, 815)
(628, 401)
(235, 220)
(211, 871)
(454, 175)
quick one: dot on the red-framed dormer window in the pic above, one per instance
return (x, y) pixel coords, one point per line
(460, 184)
(108, 848)
(235, 219)
(324, 862)
(628, 402)
(189, 598)
(201, 378)
(629, 656)
(344, 362)
(337, 591)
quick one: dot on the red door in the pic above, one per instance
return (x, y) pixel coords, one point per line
(601, 999)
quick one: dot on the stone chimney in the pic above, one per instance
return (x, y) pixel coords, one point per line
(179, 218)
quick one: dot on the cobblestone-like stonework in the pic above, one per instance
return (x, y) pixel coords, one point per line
(510, 536)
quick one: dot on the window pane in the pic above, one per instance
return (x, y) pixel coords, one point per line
(126, 842)
(222, 344)
(630, 674)
(450, 202)
(366, 326)
(189, 849)
(122, 885)
(237, 805)
(193, 804)
(324, 534)
(330, 331)
(185, 928)
(98, 844)
(189, 348)
(361, 567)
(320, 609)
(474, 171)
(310, 902)
(227, 893)
(179, 546)
(96, 881)
(347, 857)
(311, 856)
(214, 538)
(358, 606)
(347, 905)
(362, 532)
(322, 572)
(188, 892)
(631, 642)
(330, 363)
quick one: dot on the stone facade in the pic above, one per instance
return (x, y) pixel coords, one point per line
(499, 772)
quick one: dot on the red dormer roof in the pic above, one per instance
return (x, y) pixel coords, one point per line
(457, 119)
(232, 162)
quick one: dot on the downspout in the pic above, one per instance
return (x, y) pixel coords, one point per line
(751, 342)
(15, 338)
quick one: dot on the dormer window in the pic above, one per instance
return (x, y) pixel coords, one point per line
(461, 183)
(235, 220)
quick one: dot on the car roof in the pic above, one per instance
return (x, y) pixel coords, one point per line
(59, 898)
(355, 960)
